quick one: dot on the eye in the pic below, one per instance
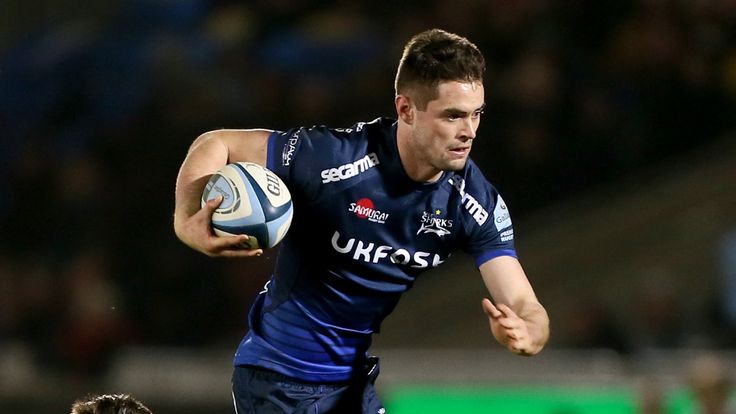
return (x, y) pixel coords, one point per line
(455, 115)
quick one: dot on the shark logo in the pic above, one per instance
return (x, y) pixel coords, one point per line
(432, 224)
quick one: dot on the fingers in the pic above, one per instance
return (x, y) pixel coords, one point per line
(226, 246)
(508, 328)
(490, 309)
(499, 310)
(499, 314)
(506, 312)
(241, 253)
(232, 246)
(196, 232)
(213, 203)
(228, 242)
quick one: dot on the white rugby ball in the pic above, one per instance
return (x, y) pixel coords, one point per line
(255, 202)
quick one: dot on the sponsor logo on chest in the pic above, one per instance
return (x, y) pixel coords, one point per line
(362, 251)
(349, 170)
(365, 209)
(476, 210)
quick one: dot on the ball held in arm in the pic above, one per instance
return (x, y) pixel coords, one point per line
(255, 202)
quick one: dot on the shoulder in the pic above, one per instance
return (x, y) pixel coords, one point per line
(325, 153)
(477, 196)
(484, 215)
(357, 131)
(470, 181)
(328, 142)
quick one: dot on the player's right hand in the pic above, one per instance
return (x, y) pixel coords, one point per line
(196, 232)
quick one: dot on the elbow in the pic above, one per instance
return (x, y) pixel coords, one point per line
(206, 138)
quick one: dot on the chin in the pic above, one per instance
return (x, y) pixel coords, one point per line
(455, 165)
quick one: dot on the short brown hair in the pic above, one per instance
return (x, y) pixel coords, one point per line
(435, 56)
(109, 404)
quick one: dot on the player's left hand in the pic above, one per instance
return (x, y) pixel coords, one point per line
(508, 328)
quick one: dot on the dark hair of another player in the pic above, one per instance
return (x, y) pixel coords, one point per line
(435, 56)
(109, 404)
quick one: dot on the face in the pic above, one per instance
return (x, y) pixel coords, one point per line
(443, 133)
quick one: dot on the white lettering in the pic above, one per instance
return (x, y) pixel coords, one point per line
(368, 212)
(348, 246)
(381, 253)
(419, 259)
(480, 215)
(507, 235)
(372, 253)
(400, 256)
(363, 251)
(349, 170)
(287, 153)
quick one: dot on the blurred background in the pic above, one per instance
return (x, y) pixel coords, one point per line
(610, 131)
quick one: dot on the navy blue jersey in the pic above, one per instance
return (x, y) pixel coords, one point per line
(362, 232)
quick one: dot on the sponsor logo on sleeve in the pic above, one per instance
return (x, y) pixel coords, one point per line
(287, 154)
(501, 216)
(507, 235)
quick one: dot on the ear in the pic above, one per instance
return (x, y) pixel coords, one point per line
(404, 109)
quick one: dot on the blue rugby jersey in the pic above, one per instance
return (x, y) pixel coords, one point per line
(361, 234)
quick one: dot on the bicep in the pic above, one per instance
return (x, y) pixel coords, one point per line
(506, 281)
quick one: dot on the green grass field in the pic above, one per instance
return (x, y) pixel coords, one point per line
(524, 400)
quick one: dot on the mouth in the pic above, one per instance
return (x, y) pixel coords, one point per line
(460, 151)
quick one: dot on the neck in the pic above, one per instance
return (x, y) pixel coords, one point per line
(416, 169)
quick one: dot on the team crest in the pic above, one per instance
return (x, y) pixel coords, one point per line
(432, 223)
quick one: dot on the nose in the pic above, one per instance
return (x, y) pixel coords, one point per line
(468, 129)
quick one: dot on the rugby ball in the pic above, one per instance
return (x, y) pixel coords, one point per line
(255, 202)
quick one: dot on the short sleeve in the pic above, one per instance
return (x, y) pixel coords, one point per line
(490, 230)
(283, 147)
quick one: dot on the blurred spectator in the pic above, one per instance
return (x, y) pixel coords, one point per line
(650, 397)
(711, 384)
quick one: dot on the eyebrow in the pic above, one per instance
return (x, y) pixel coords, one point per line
(460, 112)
